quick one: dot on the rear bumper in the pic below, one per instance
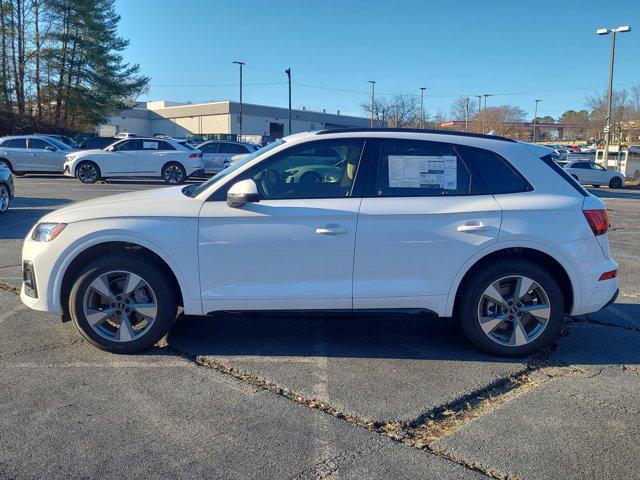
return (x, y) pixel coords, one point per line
(612, 299)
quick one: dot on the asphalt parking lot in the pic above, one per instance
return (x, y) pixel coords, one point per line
(287, 397)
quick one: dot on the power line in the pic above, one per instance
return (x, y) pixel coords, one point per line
(216, 85)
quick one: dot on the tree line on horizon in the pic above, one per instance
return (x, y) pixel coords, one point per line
(61, 65)
(403, 111)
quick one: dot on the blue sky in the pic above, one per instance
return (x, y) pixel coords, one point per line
(540, 49)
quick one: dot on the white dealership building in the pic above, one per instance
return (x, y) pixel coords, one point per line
(181, 119)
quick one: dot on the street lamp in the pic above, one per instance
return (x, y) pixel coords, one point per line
(422, 107)
(484, 114)
(535, 118)
(373, 94)
(288, 72)
(479, 97)
(607, 128)
(240, 130)
(466, 115)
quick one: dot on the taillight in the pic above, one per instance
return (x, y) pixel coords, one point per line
(195, 155)
(598, 220)
(608, 275)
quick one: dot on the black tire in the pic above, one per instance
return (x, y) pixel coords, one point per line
(471, 296)
(7, 163)
(173, 173)
(615, 182)
(155, 276)
(5, 196)
(88, 172)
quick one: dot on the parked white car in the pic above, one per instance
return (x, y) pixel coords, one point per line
(590, 173)
(220, 154)
(168, 159)
(480, 227)
(6, 189)
(33, 154)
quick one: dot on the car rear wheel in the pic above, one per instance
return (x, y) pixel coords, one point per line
(511, 309)
(615, 182)
(5, 198)
(88, 172)
(123, 304)
(173, 173)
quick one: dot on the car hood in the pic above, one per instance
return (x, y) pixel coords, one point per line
(155, 202)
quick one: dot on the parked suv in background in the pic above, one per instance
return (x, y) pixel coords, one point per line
(218, 154)
(591, 173)
(168, 159)
(97, 143)
(33, 154)
(480, 227)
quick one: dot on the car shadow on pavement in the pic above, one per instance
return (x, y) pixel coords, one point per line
(348, 336)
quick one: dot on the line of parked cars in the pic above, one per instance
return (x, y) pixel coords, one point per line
(172, 160)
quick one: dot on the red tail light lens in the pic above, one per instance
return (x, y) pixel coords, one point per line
(194, 155)
(598, 221)
(608, 275)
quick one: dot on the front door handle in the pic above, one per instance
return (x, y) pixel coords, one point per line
(471, 227)
(331, 230)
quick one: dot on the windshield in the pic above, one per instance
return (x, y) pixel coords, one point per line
(58, 144)
(194, 190)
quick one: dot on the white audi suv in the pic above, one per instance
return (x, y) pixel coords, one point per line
(173, 161)
(477, 227)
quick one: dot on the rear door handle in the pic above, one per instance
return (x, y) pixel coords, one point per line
(331, 230)
(471, 227)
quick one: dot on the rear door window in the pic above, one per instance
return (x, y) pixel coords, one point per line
(16, 143)
(409, 168)
(37, 144)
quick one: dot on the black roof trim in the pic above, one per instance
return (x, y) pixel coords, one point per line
(414, 130)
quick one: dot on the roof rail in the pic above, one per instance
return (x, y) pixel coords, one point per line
(414, 130)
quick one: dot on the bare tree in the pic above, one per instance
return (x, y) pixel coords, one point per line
(461, 109)
(399, 111)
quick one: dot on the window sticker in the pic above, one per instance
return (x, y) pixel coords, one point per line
(418, 171)
(150, 145)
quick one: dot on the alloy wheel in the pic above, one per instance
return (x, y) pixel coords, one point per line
(120, 306)
(87, 173)
(514, 311)
(173, 174)
(5, 198)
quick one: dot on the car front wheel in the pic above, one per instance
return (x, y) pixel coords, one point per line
(88, 172)
(122, 303)
(511, 309)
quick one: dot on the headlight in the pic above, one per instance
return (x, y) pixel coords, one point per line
(45, 232)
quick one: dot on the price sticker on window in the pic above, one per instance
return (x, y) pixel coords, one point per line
(423, 171)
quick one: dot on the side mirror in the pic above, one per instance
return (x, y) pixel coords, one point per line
(110, 149)
(243, 192)
(49, 148)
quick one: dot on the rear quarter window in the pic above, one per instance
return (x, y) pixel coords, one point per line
(497, 173)
(548, 160)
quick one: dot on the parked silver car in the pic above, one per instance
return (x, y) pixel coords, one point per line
(6, 189)
(33, 153)
(218, 154)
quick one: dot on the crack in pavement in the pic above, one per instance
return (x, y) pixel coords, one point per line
(396, 431)
(9, 288)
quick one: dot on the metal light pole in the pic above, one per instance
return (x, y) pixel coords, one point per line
(479, 97)
(288, 72)
(535, 119)
(240, 129)
(422, 107)
(607, 128)
(466, 115)
(373, 94)
(484, 112)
